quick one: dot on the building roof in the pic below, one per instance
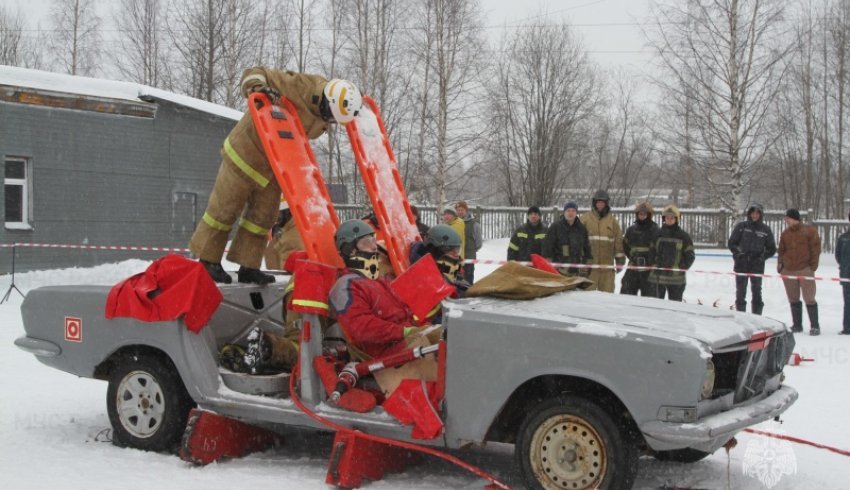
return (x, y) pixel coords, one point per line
(109, 89)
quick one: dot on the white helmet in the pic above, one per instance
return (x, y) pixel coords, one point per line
(344, 100)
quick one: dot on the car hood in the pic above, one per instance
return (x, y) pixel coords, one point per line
(614, 314)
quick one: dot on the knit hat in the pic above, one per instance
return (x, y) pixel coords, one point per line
(793, 214)
(450, 211)
(570, 204)
(533, 209)
(462, 204)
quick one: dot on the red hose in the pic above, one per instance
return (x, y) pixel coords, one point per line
(384, 440)
(842, 452)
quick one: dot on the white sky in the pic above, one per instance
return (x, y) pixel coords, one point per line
(608, 27)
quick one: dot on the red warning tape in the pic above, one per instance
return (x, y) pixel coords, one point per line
(842, 452)
(94, 247)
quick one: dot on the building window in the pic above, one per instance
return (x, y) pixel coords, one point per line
(184, 212)
(17, 185)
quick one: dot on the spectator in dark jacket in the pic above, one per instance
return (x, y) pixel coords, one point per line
(842, 255)
(566, 242)
(636, 243)
(799, 255)
(751, 243)
(672, 249)
(528, 238)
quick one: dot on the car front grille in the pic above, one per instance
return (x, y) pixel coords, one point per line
(745, 372)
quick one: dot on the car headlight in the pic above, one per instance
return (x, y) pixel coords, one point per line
(708, 381)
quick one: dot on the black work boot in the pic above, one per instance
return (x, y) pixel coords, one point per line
(757, 308)
(797, 317)
(216, 271)
(741, 305)
(812, 309)
(254, 276)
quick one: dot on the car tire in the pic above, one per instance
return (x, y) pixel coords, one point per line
(686, 455)
(569, 442)
(148, 405)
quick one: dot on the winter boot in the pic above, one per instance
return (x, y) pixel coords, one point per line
(757, 308)
(812, 309)
(741, 305)
(216, 271)
(797, 317)
(254, 276)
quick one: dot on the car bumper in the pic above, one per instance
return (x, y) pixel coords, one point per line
(712, 432)
(38, 347)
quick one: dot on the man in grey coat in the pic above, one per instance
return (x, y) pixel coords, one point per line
(472, 242)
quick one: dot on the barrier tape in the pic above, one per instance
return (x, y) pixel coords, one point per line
(469, 261)
(619, 268)
(95, 247)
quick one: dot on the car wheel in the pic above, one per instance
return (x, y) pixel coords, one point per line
(686, 455)
(147, 403)
(569, 442)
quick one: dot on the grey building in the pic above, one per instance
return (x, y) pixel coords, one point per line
(97, 162)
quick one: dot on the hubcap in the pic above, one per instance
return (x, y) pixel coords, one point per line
(140, 403)
(567, 452)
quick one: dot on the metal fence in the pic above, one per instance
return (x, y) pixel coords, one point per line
(709, 228)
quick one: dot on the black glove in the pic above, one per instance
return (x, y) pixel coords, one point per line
(584, 272)
(273, 93)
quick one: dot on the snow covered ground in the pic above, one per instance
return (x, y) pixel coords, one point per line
(52, 424)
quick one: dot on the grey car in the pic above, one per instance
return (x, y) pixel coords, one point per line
(582, 383)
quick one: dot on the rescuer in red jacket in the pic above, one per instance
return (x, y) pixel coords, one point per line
(375, 322)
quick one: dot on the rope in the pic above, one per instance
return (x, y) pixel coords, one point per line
(774, 435)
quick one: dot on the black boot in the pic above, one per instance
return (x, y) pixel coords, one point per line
(741, 305)
(757, 308)
(254, 276)
(812, 309)
(216, 271)
(797, 317)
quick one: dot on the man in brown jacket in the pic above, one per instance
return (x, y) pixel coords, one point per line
(246, 184)
(799, 253)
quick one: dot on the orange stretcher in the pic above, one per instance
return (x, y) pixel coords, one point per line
(377, 164)
(294, 164)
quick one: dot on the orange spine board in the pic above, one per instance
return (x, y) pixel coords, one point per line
(376, 161)
(294, 165)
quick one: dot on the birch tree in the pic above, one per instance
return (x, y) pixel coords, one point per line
(725, 58)
(75, 38)
(142, 45)
(450, 41)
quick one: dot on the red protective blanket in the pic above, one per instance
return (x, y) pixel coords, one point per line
(173, 285)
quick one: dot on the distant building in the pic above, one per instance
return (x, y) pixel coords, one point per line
(89, 161)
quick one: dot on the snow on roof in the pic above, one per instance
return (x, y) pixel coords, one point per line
(98, 87)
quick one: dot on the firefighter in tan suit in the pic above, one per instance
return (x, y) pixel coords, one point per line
(606, 241)
(246, 186)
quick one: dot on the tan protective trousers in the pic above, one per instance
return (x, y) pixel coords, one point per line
(235, 194)
(793, 287)
(603, 279)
